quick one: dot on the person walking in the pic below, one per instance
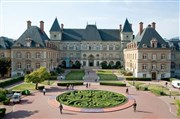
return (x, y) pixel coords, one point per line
(86, 85)
(44, 91)
(134, 106)
(60, 108)
(127, 91)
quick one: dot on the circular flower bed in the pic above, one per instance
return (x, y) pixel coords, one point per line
(91, 99)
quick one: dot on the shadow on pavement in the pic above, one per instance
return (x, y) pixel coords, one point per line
(143, 111)
(20, 114)
(65, 113)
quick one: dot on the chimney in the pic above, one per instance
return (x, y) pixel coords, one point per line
(149, 25)
(154, 25)
(62, 26)
(140, 28)
(42, 26)
(120, 27)
(28, 24)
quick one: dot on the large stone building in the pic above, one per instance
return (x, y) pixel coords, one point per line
(148, 55)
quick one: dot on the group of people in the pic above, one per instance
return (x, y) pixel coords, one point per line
(70, 86)
(88, 85)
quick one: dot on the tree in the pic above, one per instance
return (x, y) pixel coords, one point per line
(37, 76)
(118, 64)
(5, 65)
(104, 65)
(77, 65)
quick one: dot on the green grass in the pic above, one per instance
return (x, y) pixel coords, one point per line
(106, 75)
(75, 75)
(91, 99)
(46, 82)
(24, 86)
(112, 83)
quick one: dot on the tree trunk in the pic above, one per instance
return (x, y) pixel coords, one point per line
(36, 86)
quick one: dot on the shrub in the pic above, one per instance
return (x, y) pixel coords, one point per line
(53, 73)
(68, 83)
(113, 83)
(137, 79)
(166, 79)
(11, 81)
(6, 101)
(143, 88)
(2, 112)
(26, 92)
(53, 78)
(40, 87)
(157, 92)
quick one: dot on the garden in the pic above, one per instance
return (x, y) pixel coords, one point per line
(106, 75)
(91, 99)
(75, 75)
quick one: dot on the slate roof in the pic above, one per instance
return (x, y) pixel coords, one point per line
(147, 35)
(127, 27)
(55, 27)
(6, 43)
(35, 34)
(175, 43)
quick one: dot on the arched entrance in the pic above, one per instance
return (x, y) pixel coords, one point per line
(153, 75)
(91, 60)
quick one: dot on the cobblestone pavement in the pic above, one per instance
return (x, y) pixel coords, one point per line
(36, 106)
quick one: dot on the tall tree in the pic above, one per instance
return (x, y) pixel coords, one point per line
(5, 65)
(37, 76)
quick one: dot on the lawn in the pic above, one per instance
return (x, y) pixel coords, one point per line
(106, 75)
(24, 86)
(46, 82)
(75, 75)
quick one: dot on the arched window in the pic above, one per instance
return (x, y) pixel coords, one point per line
(38, 55)
(97, 47)
(153, 66)
(38, 65)
(28, 55)
(19, 65)
(111, 47)
(28, 66)
(154, 56)
(18, 54)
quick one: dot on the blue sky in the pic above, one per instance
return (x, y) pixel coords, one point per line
(107, 14)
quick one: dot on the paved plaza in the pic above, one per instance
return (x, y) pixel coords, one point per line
(38, 106)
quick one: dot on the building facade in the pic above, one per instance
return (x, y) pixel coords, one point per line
(148, 55)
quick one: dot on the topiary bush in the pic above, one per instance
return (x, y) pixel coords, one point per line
(26, 92)
(91, 99)
(112, 83)
(6, 101)
(2, 112)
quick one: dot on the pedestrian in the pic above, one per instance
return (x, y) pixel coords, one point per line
(166, 84)
(67, 86)
(134, 106)
(60, 108)
(44, 91)
(72, 87)
(86, 85)
(127, 91)
(89, 84)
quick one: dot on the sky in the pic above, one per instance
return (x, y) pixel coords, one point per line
(106, 14)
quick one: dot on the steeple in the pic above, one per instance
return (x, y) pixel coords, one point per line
(55, 31)
(127, 26)
(55, 27)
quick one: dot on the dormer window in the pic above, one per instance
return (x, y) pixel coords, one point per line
(154, 43)
(144, 46)
(163, 46)
(37, 45)
(28, 41)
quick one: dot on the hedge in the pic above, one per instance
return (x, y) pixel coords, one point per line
(112, 83)
(2, 112)
(68, 83)
(166, 79)
(53, 78)
(11, 81)
(138, 79)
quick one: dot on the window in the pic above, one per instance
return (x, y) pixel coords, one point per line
(37, 55)
(84, 63)
(144, 66)
(84, 55)
(110, 47)
(84, 46)
(144, 46)
(97, 63)
(28, 66)
(37, 45)
(97, 47)
(154, 67)
(163, 67)
(97, 55)
(19, 65)
(162, 75)
(89, 47)
(2, 55)
(117, 47)
(18, 55)
(154, 43)
(163, 46)
(162, 56)
(71, 55)
(71, 47)
(28, 55)
(144, 56)
(154, 56)
(144, 75)
(54, 36)
(64, 47)
(104, 47)
(38, 65)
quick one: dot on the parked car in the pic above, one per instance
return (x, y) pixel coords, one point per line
(16, 98)
(176, 83)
